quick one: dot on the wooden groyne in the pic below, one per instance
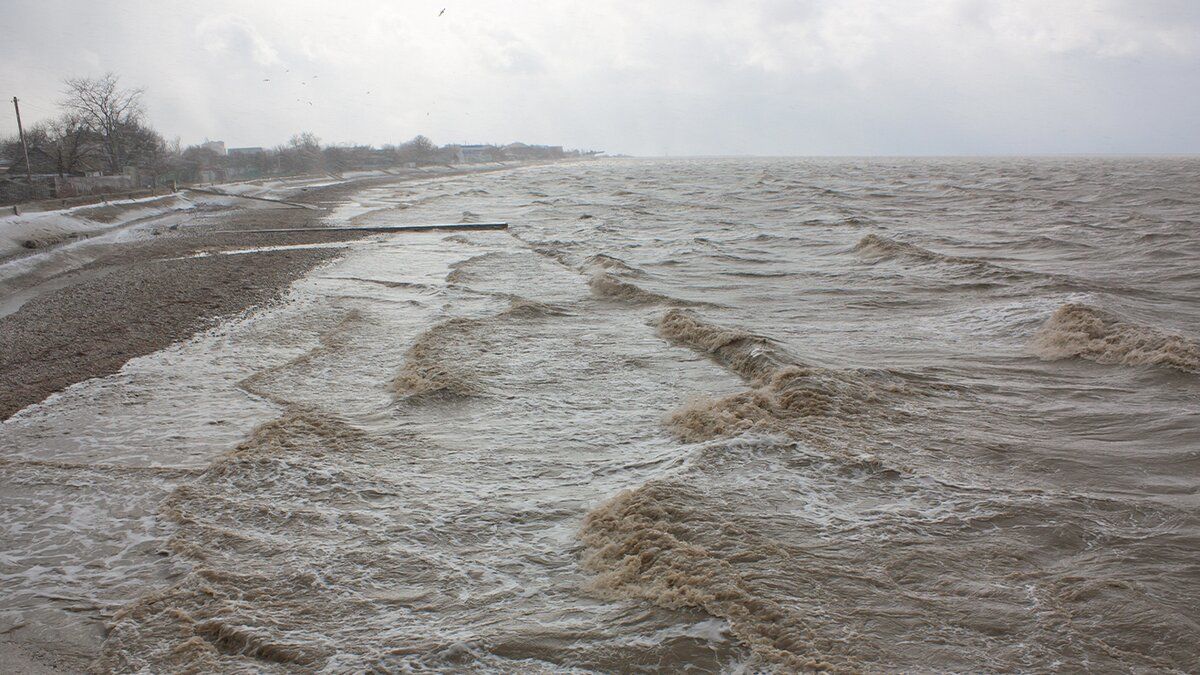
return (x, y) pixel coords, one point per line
(377, 228)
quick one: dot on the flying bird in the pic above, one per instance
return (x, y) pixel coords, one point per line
(442, 12)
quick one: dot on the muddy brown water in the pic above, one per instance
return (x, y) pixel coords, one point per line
(709, 415)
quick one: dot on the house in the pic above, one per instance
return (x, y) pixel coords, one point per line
(466, 154)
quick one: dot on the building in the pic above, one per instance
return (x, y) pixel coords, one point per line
(524, 151)
(467, 154)
(216, 146)
(246, 152)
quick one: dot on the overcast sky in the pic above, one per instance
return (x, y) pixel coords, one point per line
(678, 77)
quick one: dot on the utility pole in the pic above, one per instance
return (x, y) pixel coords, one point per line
(24, 146)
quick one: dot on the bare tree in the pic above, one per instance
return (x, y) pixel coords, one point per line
(108, 110)
(73, 144)
(304, 152)
(146, 149)
(420, 150)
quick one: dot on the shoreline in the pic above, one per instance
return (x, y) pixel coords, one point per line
(140, 296)
(137, 297)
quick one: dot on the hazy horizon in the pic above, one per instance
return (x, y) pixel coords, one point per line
(772, 78)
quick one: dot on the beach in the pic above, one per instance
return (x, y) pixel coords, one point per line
(735, 415)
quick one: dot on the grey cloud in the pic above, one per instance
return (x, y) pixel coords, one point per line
(708, 77)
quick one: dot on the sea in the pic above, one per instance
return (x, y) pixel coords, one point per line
(685, 415)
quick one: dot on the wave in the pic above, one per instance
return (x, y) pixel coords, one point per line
(465, 270)
(609, 287)
(790, 536)
(642, 544)
(834, 221)
(607, 262)
(1083, 331)
(885, 247)
(430, 367)
(211, 619)
(329, 340)
(442, 362)
(748, 355)
(786, 396)
(525, 308)
(784, 402)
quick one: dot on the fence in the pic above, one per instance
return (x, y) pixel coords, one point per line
(19, 190)
(77, 186)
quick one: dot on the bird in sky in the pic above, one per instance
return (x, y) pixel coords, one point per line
(442, 12)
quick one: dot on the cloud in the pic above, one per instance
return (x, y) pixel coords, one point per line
(679, 76)
(235, 37)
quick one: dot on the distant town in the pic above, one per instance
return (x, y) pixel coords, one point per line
(102, 143)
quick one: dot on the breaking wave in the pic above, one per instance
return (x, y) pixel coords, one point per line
(886, 248)
(531, 309)
(443, 362)
(607, 262)
(209, 621)
(431, 367)
(878, 246)
(609, 287)
(786, 396)
(747, 355)
(642, 544)
(1083, 331)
